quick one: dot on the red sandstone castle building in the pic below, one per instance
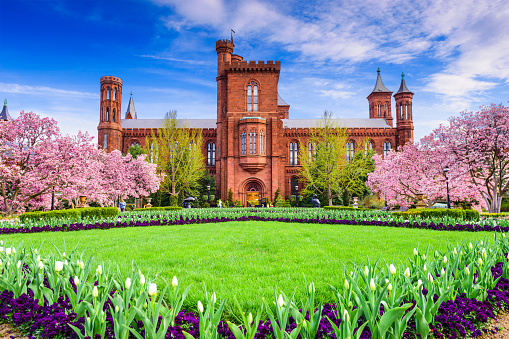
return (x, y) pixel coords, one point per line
(252, 145)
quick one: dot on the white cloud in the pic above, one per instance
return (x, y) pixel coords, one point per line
(44, 90)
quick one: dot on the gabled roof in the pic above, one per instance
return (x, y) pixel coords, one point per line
(379, 86)
(402, 87)
(159, 123)
(131, 112)
(4, 115)
(345, 123)
(280, 101)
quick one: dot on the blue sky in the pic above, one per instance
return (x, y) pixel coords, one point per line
(455, 54)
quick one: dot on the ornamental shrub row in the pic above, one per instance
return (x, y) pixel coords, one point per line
(345, 208)
(77, 213)
(471, 215)
(162, 208)
(495, 215)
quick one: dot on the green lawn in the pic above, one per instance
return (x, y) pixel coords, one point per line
(247, 259)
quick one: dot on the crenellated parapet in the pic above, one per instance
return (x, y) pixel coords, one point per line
(253, 66)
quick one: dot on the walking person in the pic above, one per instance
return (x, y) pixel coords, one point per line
(122, 205)
(219, 203)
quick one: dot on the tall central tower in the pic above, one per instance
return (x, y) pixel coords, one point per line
(380, 101)
(110, 129)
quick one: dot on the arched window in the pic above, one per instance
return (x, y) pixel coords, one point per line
(350, 151)
(107, 114)
(378, 109)
(262, 143)
(114, 93)
(406, 110)
(294, 153)
(113, 116)
(311, 151)
(252, 96)
(120, 142)
(135, 143)
(108, 93)
(401, 110)
(387, 147)
(386, 109)
(243, 143)
(211, 154)
(367, 146)
(105, 140)
(252, 142)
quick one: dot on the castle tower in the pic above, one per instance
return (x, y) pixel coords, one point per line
(404, 114)
(380, 101)
(109, 128)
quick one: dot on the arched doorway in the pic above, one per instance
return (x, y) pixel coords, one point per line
(252, 191)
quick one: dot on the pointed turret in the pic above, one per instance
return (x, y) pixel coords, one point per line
(131, 112)
(402, 87)
(379, 86)
(404, 114)
(4, 115)
(380, 101)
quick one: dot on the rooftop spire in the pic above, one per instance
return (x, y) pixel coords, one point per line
(4, 115)
(379, 86)
(402, 87)
(131, 112)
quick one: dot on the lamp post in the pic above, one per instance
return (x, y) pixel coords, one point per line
(208, 194)
(53, 199)
(297, 194)
(446, 169)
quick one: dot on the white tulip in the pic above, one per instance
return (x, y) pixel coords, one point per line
(82, 265)
(14, 249)
(346, 316)
(424, 257)
(445, 259)
(41, 265)
(386, 281)
(66, 263)
(503, 235)
(35, 250)
(174, 282)
(424, 268)
(1, 249)
(95, 292)
(419, 283)
(479, 261)
(38, 258)
(8, 251)
(19, 264)
(415, 252)
(481, 243)
(351, 272)
(128, 283)
(430, 277)
(99, 270)
(1, 242)
(470, 246)
(392, 269)
(142, 279)
(280, 301)
(442, 272)
(389, 287)
(214, 299)
(76, 280)
(59, 265)
(152, 289)
(347, 285)
(407, 272)
(467, 271)
(200, 306)
(455, 251)
(250, 318)
(63, 255)
(372, 285)
(117, 309)
(366, 270)
(311, 288)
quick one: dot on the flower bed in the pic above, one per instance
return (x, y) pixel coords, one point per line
(452, 294)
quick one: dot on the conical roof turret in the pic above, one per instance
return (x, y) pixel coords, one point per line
(4, 115)
(131, 112)
(379, 86)
(402, 87)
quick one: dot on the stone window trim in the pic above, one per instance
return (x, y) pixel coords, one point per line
(350, 150)
(252, 90)
(293, 152)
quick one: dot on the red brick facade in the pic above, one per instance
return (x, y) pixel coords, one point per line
(252, 133)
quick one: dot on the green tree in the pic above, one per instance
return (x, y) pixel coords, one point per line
(177, 151)
(136, 150)
(323, 171)
(230, 197)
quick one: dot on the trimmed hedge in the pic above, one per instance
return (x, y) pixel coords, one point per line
(162, 208)
(76, 213)
(495, 215)
(471, 215)
(346, 208)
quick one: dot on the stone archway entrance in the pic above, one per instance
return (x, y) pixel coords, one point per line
(254, 191)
